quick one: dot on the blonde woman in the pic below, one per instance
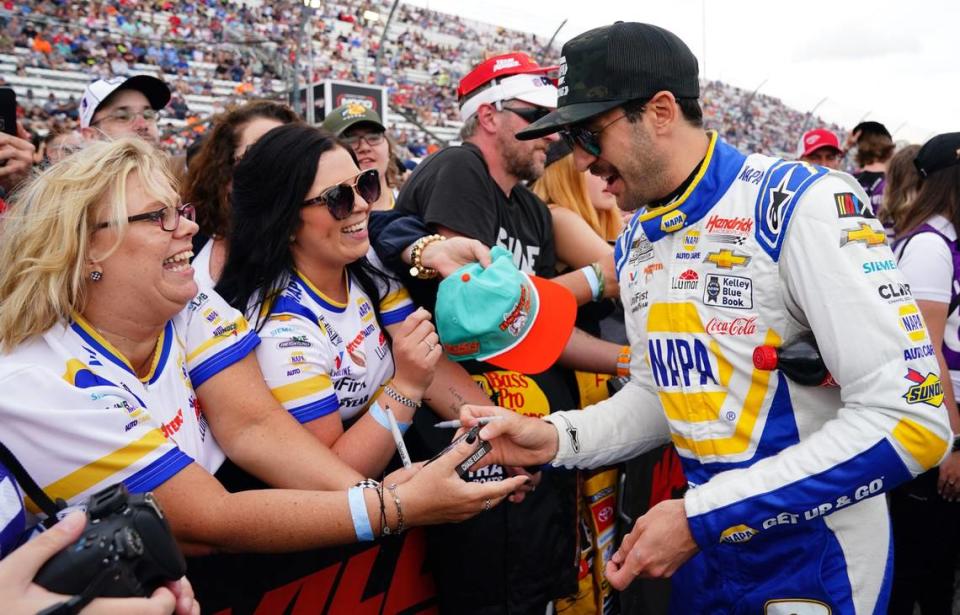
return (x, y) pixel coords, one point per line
(109, 350)
(585, 217)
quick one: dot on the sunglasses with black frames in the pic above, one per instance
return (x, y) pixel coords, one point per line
(530, 114)
(339, 199)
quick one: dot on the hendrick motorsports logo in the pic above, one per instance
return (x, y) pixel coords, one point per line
(925, 390)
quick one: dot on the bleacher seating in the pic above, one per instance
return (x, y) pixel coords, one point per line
(216, 52)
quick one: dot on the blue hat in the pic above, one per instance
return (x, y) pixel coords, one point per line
(504, 316)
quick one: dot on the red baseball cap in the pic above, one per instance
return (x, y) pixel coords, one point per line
(498, 67)
(818, 138)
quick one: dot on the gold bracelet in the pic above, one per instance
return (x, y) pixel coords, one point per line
(418, 270)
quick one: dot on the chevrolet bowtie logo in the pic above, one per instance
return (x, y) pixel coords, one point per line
(865, 234)
(727, 259)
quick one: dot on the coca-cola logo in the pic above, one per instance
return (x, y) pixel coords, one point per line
(737, 326)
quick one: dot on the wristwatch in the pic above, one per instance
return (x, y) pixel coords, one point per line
(956, 444)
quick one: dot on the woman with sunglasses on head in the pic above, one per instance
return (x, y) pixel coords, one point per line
(108, 353)
(362, 129)
(343, 344)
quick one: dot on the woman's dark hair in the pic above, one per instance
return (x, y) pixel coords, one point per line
(270, 184)
(210, 170)
(938, 194)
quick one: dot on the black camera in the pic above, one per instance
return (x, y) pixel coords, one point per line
(126, 550)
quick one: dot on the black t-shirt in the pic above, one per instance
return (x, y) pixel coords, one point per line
(514, 558)
(454, 189)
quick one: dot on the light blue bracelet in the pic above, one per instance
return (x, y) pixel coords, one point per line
(592, 280)
(381, 418)
(358, 510)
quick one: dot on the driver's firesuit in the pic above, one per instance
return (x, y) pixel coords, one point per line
(783, 477)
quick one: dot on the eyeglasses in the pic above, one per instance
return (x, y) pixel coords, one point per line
(339, 199)
(168, 218)
(529, 114)
(372, 139)
(588, 140)
(126, 116)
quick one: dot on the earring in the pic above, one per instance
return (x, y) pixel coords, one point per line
(96, 276)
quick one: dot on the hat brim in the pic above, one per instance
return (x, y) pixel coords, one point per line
(360, 121)
(820, 147)
(565, 116)
(156, 91)
(546, 339)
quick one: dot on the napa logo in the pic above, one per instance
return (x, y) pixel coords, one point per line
(690, 240)
(681, 363)
(737, 534)
(912, 323)
(364, 309)
(925, 389)
(672, 222)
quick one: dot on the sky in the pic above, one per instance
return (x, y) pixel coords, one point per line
(891, 61)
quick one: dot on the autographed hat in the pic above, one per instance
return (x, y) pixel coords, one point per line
(509, 76)
(815, 139)
(605, 67)
(350, 114)
(503, 316)
(156, 91)
(940, 152)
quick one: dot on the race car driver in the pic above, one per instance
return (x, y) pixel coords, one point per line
(728, 252)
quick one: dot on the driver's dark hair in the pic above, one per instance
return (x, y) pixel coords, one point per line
(689, 107)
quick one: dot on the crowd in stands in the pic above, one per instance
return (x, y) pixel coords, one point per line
(216, 52)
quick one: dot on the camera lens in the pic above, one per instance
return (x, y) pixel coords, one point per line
(129, 543)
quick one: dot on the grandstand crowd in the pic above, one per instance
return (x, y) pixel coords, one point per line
(214, 54)
(261, 321)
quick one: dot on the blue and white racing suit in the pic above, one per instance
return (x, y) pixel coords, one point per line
(783, 477)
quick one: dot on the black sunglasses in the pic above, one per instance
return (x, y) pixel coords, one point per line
(530, 114)
(588, 140)
(339, 199)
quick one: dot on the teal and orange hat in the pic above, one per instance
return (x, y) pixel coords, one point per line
(503, 316)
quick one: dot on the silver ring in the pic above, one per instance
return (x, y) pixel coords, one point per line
(486, 505)
(430, 346)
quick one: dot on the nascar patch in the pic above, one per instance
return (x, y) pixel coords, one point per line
(849, 206)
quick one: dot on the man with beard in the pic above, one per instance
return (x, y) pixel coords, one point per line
(523, 556)
(726, 253)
